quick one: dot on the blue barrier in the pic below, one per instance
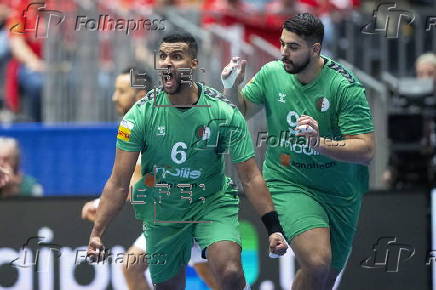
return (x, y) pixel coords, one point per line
(66, 158)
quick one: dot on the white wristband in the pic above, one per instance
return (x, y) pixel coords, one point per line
(235, 68)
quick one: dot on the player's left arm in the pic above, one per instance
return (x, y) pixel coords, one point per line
(242, 151)
(259, 196)
(358, 148)
(355, 124)
(254, 186)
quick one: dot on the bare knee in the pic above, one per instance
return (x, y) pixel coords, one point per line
(230, 273)
(318, 263)
(134, 262)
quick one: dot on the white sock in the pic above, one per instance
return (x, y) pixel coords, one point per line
(247, 287)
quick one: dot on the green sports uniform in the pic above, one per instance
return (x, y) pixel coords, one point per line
(310, 190)
(184, 193)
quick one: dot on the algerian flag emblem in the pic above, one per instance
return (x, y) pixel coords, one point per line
(322, 104)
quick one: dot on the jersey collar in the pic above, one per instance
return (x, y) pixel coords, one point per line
(186, 112)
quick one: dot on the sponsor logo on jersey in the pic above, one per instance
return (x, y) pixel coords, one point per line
(322, 104)
(124, 130)
(188, 173)
(285, 160)
(313, 165)
(160, 131)
(282, 98)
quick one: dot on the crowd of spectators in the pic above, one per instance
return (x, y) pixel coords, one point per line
(22, 64)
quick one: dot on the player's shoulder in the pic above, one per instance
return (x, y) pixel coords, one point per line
(149, 97)
(219, 103)
(339, 75)
(218, 99)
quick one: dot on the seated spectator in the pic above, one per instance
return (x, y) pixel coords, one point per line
(5, 174)
(426, 66)
(18, 184)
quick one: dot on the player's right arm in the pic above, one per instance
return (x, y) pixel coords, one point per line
(232, 76)
(130, 141)
(113, 197)
(89, 209)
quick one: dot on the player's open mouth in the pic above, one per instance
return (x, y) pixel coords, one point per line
(169, 79)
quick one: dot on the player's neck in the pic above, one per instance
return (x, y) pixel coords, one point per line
(311, 72)
(187, 96)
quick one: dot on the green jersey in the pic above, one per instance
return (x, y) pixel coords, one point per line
(336, 99)
(182, 151)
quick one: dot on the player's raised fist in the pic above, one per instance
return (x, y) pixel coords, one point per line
(96, 251)
(277, 245)
(233, 73)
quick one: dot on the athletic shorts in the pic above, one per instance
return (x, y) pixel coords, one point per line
(300, 210)
(196, 258)
(216, 219)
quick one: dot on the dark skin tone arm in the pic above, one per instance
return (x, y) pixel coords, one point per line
(113, 197)
(259, 196)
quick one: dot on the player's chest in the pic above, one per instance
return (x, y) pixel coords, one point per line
(175, 138)
(287, 104)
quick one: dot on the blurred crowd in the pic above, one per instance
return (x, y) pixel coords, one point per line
(22, 25)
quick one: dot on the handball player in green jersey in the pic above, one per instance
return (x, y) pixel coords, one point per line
(320, 141)
(182, 131)
(134, 265)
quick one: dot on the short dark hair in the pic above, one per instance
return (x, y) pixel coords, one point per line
(306, 26)
(148, 81)
(184, 37)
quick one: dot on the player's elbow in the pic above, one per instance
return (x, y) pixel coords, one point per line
(368, 154)
(118, 185)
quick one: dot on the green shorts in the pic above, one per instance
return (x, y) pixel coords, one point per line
(300, 210)
(170, 240)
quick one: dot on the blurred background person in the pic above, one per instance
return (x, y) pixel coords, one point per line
(5, 174)
(4, 47)
(25, 70)
(19, 184)
(426, 66)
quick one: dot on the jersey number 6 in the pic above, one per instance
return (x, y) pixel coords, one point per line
(177, 155)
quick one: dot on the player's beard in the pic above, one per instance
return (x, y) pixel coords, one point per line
(293, 68)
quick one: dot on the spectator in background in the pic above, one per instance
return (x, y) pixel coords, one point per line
(426, 66)
(4, 45)
(5, 174)
(28, 64)
(18, 184)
